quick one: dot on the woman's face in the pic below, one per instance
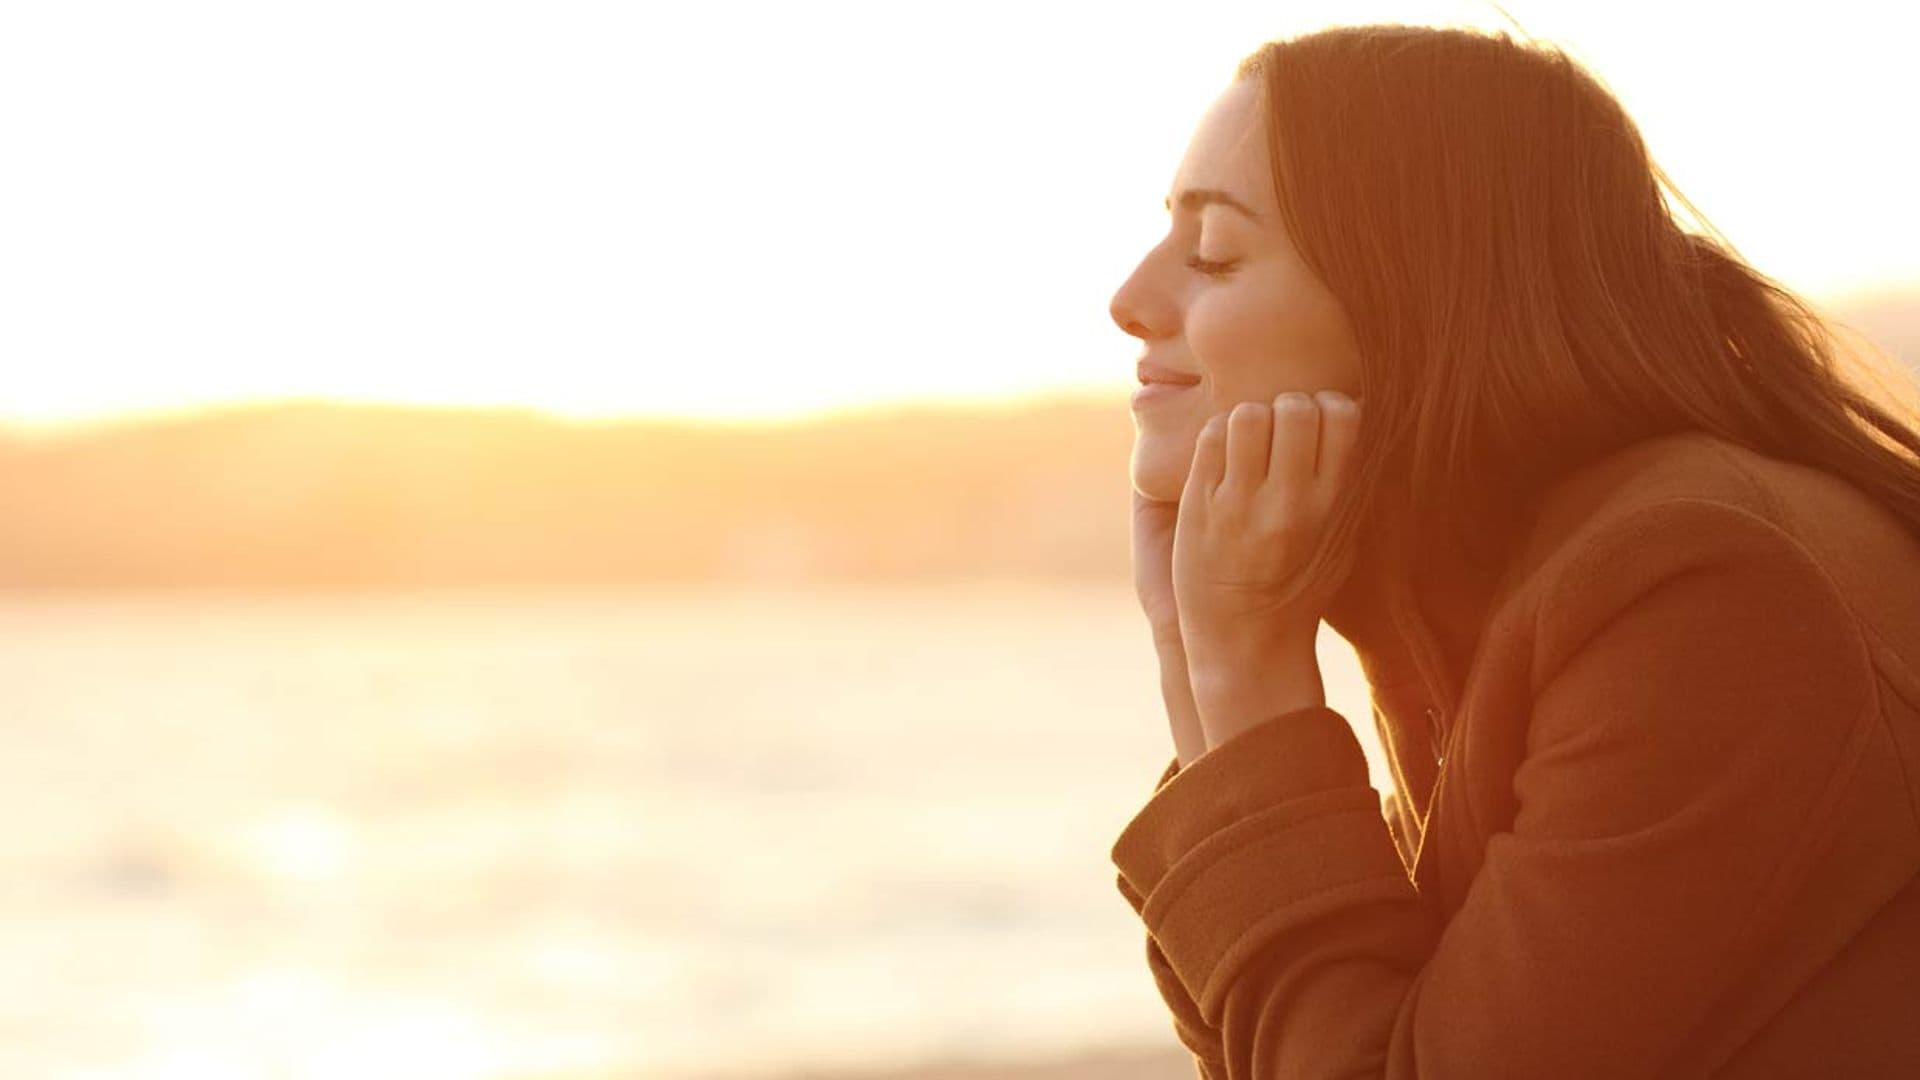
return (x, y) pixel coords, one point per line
(1225, 298)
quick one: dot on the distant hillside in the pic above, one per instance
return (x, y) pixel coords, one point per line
(315, 494)
(326, 495)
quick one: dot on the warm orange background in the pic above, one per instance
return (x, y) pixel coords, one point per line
(571, 540)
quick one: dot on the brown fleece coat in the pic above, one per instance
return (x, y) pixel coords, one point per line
(1655, 814)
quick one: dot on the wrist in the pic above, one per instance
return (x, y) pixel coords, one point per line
(1167, 639)
(1189, 738)
(1232, 696)
(1225, 657)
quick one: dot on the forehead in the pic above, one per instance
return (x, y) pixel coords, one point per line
(1228, 150)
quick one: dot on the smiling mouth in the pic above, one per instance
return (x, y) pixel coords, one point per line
(1163, 377)
(1159, 391)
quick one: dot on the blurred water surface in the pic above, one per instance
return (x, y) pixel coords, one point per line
(502, 834)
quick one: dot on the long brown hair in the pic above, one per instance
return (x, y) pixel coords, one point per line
(1523, 296)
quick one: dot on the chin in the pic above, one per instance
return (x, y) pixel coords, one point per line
(1160, 471)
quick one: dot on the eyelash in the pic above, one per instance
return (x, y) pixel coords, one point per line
(1204, 266)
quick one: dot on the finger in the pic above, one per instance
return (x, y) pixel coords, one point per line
(1249, 444)
(1339, 434)
(1209, 460)
(1296, 440)
(1146, 506)
(1153, 523)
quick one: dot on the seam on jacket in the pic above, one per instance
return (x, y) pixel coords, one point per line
(1833, 591)
(1758, 487)
(1821, 810)
(1891, 657)
(1766, 494)
(1886, 723)
(1859, 739)
(1806, 556)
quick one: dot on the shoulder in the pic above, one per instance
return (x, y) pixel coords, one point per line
(1674, 472)
(1733, 523)
(1684, 491)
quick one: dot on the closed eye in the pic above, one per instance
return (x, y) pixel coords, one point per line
(1208, 266)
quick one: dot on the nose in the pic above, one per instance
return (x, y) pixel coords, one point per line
(1136, 310)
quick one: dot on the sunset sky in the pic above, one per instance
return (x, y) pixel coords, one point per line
(754, 210)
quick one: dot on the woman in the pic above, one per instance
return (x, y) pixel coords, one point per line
(1632, 567)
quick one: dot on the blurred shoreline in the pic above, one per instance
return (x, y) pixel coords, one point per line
(325, 495)
(1120, 1063)
(317, 495)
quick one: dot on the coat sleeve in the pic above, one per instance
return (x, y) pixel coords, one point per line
(1701, 694)
(1200, 1038)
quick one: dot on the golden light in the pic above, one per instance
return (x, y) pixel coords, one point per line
(676, 211)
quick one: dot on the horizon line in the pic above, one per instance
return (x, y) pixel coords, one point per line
(81, 425)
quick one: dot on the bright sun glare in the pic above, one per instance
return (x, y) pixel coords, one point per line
(606, 209)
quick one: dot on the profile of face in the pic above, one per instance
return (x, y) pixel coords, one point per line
(1225, 298)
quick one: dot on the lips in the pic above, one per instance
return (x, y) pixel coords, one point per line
(1158, 373)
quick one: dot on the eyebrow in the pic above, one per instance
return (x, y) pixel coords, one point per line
(1195, 198)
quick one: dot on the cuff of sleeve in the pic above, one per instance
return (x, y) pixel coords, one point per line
(1201, 1039)
(1299, 753)
(1132, 895)
(1172, 770)
(1271, 829)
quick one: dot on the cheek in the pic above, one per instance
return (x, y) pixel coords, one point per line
(1256, 338)
(1227, 327)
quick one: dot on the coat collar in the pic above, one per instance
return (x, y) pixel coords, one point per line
(1413, 613)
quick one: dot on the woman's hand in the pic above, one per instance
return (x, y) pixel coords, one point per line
(1260, 490)
(1153, 527)
(1153, 524)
